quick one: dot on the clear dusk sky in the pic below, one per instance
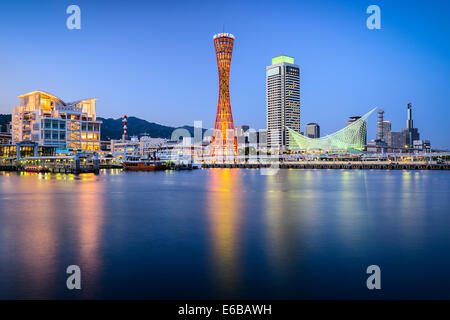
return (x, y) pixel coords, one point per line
(156, 60)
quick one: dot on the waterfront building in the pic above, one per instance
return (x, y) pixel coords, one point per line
(422, 145)
(242, 128)
(383, 138)
(261, 140)
(47, 120)
(379, 145)
(410, 132)
(224, 142)
(387, 129)
(143, 147)
(398, 141)
(282, 101)
(261, 137)
(380, 126)
(23, 154)
(124, 148)
(105, 146)
(5, 138)
(149, 145)
(256, 139)
(187, 141)
(352, 138)
(250, 141)
(405, 139)
(25, 149)
(242, 135)
(182, 151)
(312, 130)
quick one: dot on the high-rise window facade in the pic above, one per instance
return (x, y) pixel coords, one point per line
(282, 101)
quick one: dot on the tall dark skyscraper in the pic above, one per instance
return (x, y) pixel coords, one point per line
(410, 132)
(409, 121)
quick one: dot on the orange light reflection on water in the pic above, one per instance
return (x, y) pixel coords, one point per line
(224, 208)
(90, 216)
(47, 209)
(34, 230)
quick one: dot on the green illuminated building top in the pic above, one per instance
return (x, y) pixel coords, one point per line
(280, 59)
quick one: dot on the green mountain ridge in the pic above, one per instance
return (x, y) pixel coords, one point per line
(113, 128)
(4, 120)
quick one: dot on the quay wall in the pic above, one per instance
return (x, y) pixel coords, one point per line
(8, 168)
(331, 165)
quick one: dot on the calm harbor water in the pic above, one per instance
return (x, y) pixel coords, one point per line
(226, 233)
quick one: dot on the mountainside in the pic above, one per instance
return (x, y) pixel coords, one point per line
(113, 128)
(4, 120)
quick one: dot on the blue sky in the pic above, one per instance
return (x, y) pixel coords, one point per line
(156, 60)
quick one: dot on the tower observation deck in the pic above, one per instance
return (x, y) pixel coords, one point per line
(224, 144)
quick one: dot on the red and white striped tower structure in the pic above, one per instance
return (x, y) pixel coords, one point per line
(125, 121)
(224, 144)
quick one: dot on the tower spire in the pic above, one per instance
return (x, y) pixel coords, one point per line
(224, 142)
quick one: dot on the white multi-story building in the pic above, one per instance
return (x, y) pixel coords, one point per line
(282, 101)
(422, 145)
(143, 147)
(124, 148)
(47, 120)
(148, 145)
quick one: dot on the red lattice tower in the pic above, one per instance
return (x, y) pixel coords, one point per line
(224, 139)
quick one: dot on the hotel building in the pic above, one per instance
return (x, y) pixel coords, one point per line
(47, 120)
(282, 101)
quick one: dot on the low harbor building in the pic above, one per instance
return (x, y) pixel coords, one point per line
(5, 138)
(422, 146)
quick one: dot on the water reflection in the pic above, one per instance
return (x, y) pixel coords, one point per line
(90, 218)
(297, 234)
(275, 215)
(291, 212)
(28, 220)
(351, 208)
(224, 209)
(412, 205)
(40, 215)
